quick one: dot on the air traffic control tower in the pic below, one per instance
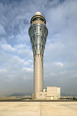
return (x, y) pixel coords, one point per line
(38, 34)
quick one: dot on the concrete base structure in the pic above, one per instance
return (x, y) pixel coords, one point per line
(38, 108)
(51, 93)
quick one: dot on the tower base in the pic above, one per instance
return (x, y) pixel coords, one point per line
(51, 93)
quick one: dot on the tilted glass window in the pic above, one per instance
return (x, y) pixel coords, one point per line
(38, 18)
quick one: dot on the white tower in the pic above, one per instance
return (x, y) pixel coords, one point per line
(38, 34)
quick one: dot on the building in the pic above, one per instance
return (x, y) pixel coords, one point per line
(50, 93)
(38, 34)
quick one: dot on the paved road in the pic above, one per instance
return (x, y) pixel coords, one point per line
(38, 108)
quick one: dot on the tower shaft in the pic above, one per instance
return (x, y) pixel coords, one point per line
(38, 73)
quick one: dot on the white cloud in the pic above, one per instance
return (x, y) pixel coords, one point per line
(28, 62)
(20, 46)
(27, 69)
(59, 64)
(3, 70)
(24, 51)
(8, 48)
(2, 30)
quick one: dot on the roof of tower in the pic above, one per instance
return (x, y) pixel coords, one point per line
(38, 16)
(38, 13)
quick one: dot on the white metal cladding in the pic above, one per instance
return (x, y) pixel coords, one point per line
(38, 34)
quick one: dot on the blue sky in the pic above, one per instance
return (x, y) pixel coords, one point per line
(16, 57)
